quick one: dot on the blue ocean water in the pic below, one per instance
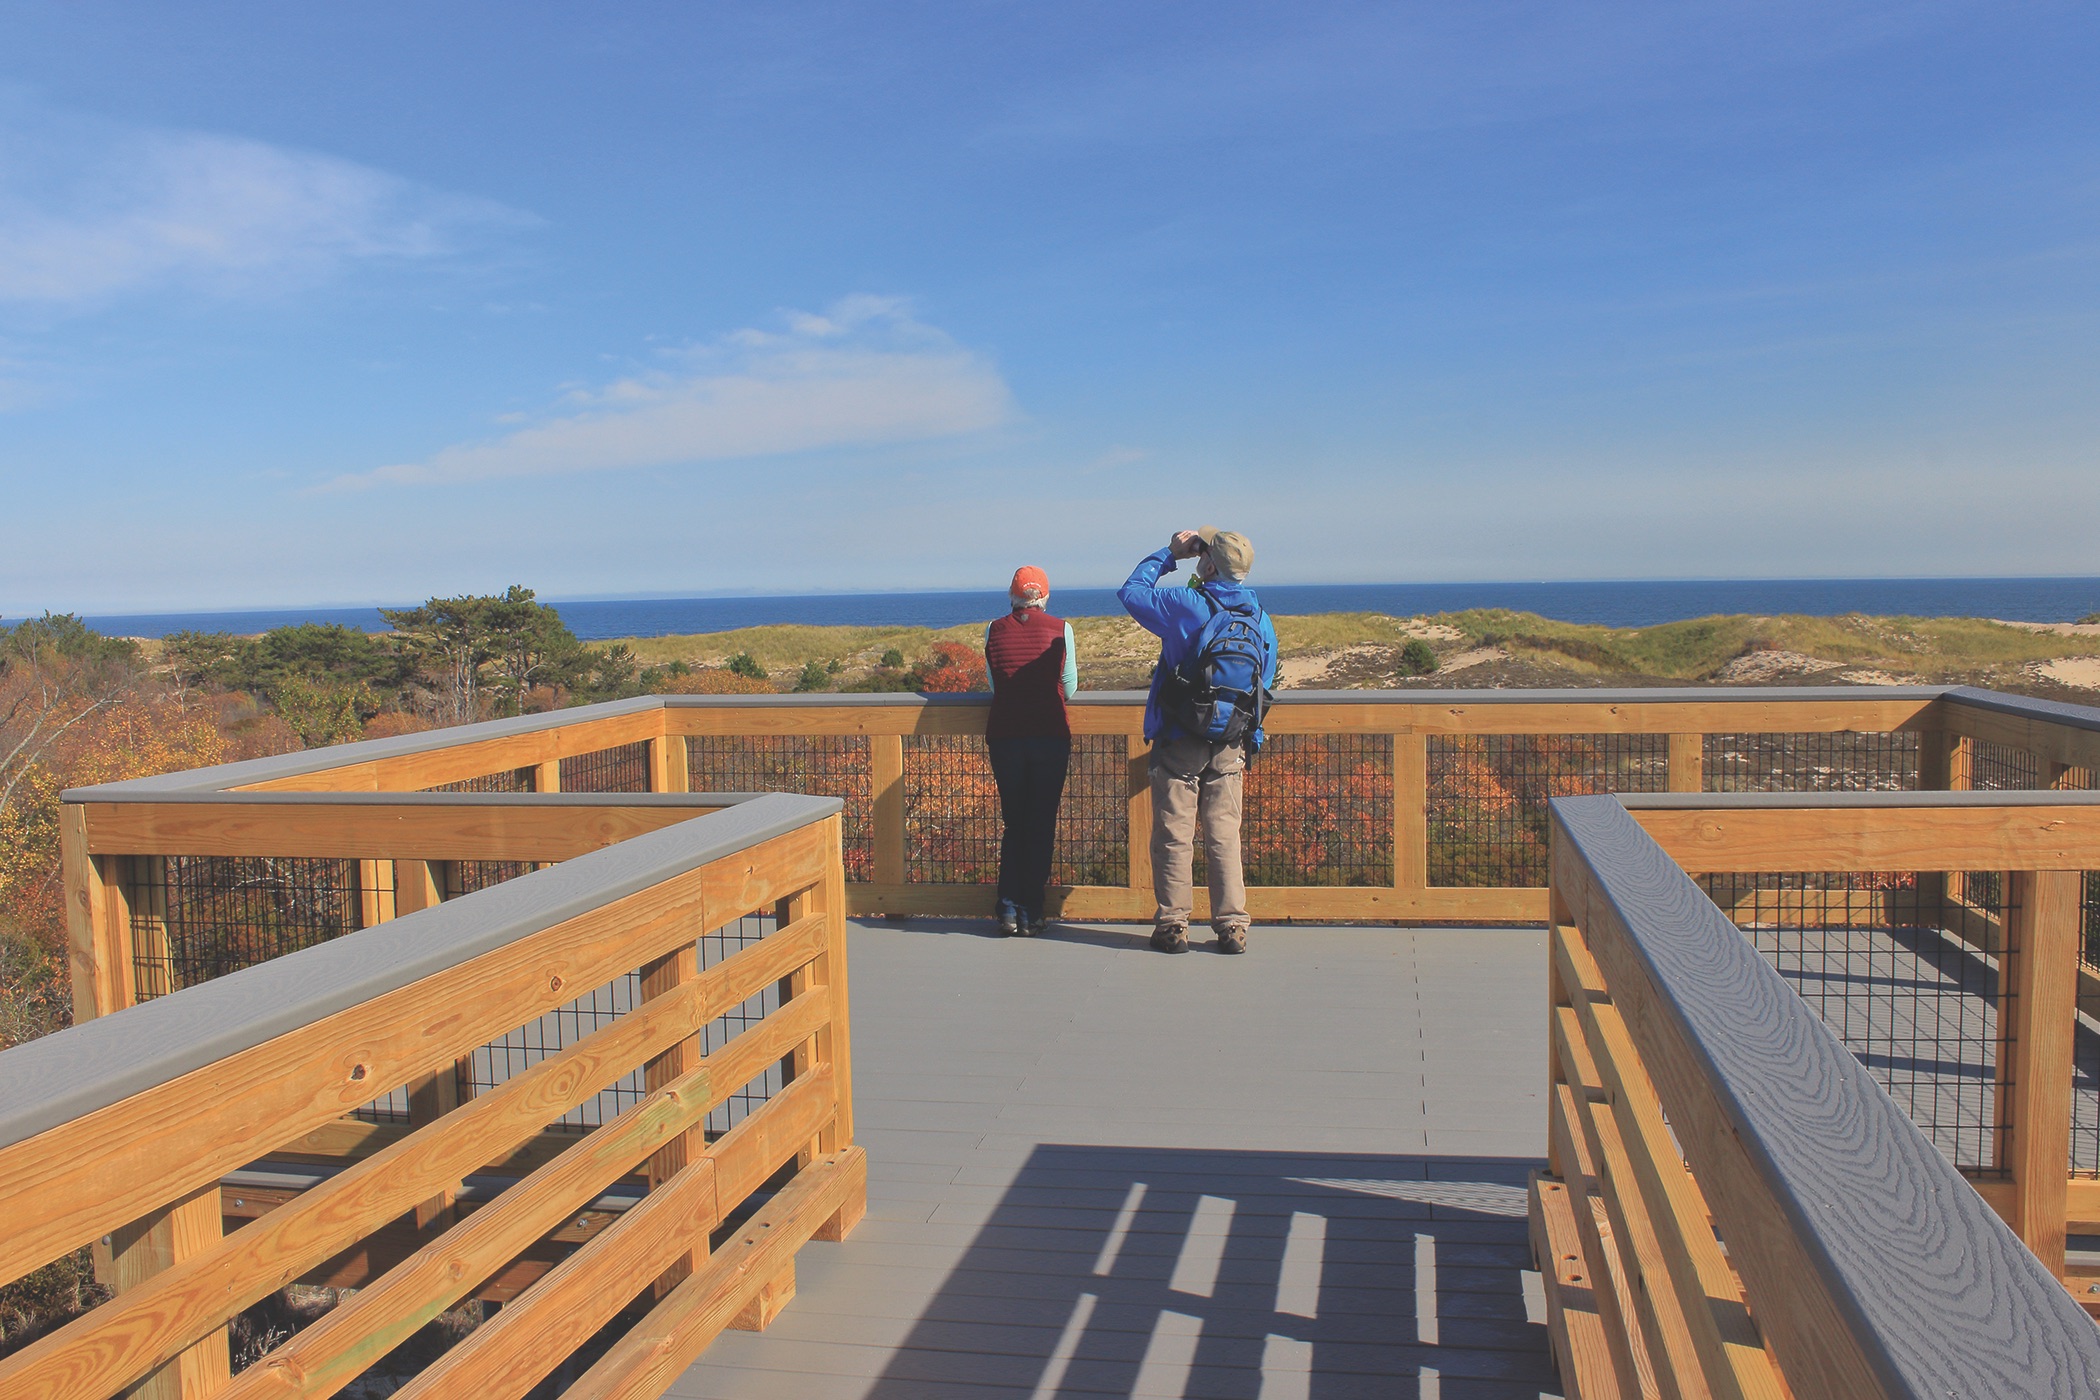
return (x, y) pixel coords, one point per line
(1630, 603)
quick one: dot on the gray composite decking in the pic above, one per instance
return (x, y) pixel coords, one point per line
(1098, 1170)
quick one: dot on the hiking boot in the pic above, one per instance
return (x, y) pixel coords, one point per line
(1009, 919)
(1171, 938)
(1232, 939)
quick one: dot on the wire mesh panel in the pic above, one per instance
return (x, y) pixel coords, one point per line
(2002, 768)
(1846, 761)
(951, 811)
(747, 1099)
(548, 1035)
(814, 765)
(1319, 811)
(1488, 793)
(1907, 977)
(621, 769)
(464, 877)
(508, 780)
(1093, 822)
(194, 918)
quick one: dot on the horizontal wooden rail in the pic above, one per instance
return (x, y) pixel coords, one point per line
(1775, 833)
(426, 826)
(1868, 1266)
(103, 1125)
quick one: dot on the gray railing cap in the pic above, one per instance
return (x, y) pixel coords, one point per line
(63, 1076)
(1942, 1297)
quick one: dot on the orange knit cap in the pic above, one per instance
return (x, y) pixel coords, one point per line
(1030, 585)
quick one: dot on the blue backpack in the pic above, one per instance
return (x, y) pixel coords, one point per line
(1217, 694)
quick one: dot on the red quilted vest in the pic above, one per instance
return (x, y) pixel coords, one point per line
(1026, 654)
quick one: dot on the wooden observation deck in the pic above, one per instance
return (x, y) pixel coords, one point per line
(1672, 1043)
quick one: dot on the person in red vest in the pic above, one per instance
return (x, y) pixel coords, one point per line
(1033, 669)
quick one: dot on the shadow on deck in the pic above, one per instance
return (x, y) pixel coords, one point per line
(1100, 1171)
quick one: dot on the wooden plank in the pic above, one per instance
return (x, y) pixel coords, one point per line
(2053, 743)
(2081, 1202)
(677, 763)
(656, 1350)
(834, 1043)
(886, 760)
(2044, 919)
(1708, 1295)
(1410, 811)
(1618, 1306)
(1580, 1348)
(1809, 837)
(338, 1347)
(509, 1354)
(1137, 817)
(101, 982)
(1817, 1180)
(521, 830)
(123, 1339)
(153, 961)
(1687, 763)
(159, 1242)
(199, 1126)
(1266, 903)
(671, 1066)
(1840, 713)
(474, 758)
(546, 776)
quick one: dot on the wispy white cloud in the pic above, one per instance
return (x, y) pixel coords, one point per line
(864, 373)
(93, 209)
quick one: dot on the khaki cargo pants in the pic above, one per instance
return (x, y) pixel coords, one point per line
(1195, 784)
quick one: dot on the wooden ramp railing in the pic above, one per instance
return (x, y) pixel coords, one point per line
(474, 1138)
(1734, 1205)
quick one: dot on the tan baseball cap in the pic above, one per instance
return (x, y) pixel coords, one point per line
(1231, 551)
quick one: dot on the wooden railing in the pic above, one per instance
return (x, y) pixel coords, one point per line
(1370, 806)
(590, 1165)
(1734, 1205)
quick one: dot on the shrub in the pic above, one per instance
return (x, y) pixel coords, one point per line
(746, 665)
(2091, 619)
(1417, 658)
(712, 683)
(950, 668)
(813, 677)
(894, 659)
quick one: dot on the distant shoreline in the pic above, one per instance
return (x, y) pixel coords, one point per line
(1613, 604)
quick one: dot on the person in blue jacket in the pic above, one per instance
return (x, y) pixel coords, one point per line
(1195, 783)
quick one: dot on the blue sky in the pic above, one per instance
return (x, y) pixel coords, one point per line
(305, 304)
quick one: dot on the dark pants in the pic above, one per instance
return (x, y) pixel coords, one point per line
(1031, 778)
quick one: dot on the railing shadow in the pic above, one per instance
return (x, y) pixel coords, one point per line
(1313, 1276)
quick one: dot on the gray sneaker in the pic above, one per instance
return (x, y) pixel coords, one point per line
(1232, 939)
(1171, 938)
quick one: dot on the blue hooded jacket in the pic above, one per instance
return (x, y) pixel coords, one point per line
(1177, 616)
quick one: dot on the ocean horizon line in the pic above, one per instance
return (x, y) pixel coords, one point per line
(1611, 602)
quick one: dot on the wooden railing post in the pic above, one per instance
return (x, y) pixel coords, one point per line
(1410, 813)
(163, 1239)
(1687, 763)
(669, 764)
(2037, 1024)
(1138, 813)
(418, 885)
(546, 777)
(835, 1041)
(151, 957)
(660, 976)
(98, 940)
(886, 762)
